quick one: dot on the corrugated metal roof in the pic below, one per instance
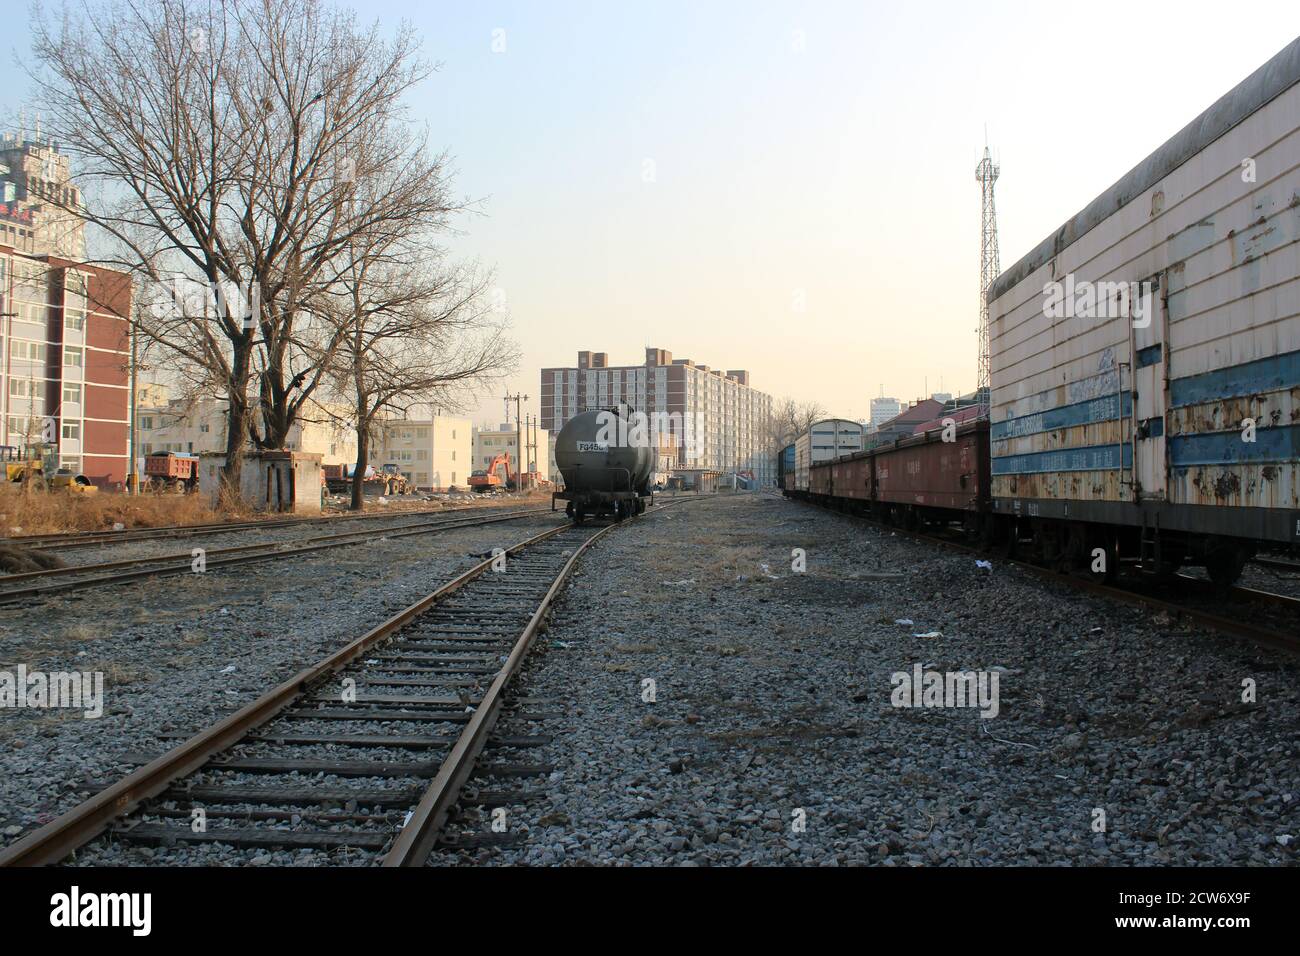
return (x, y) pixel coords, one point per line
(1267, 83)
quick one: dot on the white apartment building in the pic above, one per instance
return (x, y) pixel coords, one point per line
(883, 409)
(435, 454)
(723, 422)
(199, 425)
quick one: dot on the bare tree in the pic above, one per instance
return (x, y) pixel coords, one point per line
(220, 139)
(410, 331)
(790, 419)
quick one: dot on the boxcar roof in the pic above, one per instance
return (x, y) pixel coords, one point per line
(1267, 83)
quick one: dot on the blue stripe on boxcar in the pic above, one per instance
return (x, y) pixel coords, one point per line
(1081, 413)
(1250, 378)
(1089, 458)
(1151, 355)
(1227, 448)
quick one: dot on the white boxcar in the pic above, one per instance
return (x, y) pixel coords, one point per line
(1174, 411)
(826, 440)
(802, 460)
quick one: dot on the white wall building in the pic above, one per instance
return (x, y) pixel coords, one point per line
(435, 454)
(199, 425)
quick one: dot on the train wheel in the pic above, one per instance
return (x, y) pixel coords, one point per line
(989, 532)
(1011, 544)
(1224, 565)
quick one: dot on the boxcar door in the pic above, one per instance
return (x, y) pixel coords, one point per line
(1150, 387)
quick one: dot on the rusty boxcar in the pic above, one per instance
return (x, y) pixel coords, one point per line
(1145, 357)
(939, 476)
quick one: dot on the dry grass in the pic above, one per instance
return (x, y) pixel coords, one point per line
(53, 512)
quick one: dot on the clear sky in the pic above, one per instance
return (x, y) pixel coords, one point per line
(818, 153)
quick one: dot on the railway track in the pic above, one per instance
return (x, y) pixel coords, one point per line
(38, 584)
(1284, 634)
(366, 752)
(85, 539)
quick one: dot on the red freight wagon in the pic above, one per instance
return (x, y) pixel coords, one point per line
(853, 477)
(820, 480)
(927, 472)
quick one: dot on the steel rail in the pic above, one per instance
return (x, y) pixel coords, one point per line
(89, 819)
(265, 551)
(1235, 627)
(419, 835)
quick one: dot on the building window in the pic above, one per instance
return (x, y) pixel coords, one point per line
(146, 423)
(75, 320)
(29, 351)
(453, 455)
(71, 357)
(24, 388)
(72, 393)
(203, 429)
(72, 431)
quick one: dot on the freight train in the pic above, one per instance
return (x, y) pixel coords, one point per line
(1144, 367)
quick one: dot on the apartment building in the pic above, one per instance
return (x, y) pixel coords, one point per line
(435, 454)
(64, 361)
(716, 419)
(197, 425)
(38, 199)
(64, 331)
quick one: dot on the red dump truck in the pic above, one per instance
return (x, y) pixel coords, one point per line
(170, 469)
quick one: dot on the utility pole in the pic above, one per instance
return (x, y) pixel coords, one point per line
(519, 433)
(133, 478)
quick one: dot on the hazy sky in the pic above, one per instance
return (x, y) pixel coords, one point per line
(818, 154)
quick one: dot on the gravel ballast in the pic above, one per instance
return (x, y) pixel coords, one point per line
(1121, 737)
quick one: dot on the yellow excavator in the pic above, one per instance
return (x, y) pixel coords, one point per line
(36, 466)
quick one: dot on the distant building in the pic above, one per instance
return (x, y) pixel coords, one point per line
(718, 421)
(64, 360)
(192, 426)
(903, 424)
(435, 454)
(36, 196)
(882, 410)
(65, 333)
